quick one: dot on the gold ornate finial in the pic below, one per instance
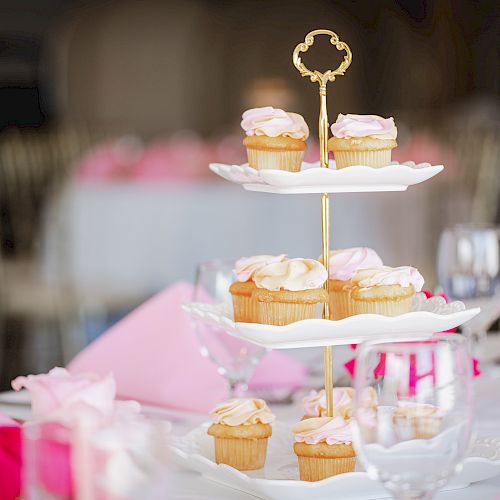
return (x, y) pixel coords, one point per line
(329, 75)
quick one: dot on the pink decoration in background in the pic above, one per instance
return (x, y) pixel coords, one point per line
(10, 458)
(379, 370)
(185, 157)
(423, 147)
(155, 358)
(182, 158)
(110, 160)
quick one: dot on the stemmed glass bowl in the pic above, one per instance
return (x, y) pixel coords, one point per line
(235, 359)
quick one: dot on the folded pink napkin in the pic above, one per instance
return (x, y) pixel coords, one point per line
(10, 458)
(155, 358)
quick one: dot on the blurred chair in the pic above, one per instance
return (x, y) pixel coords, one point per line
(475, 177)
(33, 167)
(484, 154)
(473, 132)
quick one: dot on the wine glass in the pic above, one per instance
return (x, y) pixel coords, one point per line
(236, 359)
(469, 261)
(414, 434)
(469, 270)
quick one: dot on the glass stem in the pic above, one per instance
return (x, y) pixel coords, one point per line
(236, 388)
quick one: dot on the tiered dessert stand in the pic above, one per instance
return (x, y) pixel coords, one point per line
(279, 478)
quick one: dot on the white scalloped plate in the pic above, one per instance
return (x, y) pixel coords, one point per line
(314, 179)
(279, 478)
(428, 316)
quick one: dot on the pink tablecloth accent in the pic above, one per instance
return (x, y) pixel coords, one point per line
(10, 458)
(156, 359)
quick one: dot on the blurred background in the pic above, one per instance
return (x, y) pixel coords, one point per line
(112, 110)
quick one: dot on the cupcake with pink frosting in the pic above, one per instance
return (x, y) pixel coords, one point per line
(275, 139)
(245, 307)
(417, 420)
(315, 403)
(343, 265)
(362, 140)
(323, 446)
(289, 291)
(241, 428)
(384, 290)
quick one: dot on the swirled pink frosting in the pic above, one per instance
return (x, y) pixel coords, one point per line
(273, 122)
(242, 411)
(246, 267)
(344, 264)
(372, 126)
(315, 402)
(291, 274)
(385, 275)
(329, 430)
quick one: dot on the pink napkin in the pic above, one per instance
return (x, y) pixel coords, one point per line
(10, 458)
(156, 358)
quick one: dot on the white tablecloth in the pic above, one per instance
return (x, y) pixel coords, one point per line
(186, 485)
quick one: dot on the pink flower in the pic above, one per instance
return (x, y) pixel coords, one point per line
(59, 394)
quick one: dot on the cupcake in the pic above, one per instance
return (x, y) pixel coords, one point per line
(240, 430)
(275, 138)
(315, 403)
(323, 446)
(384, 290)
(417, 421)
(245, 307)
(362, 140)
(289, 291)
(344, 264)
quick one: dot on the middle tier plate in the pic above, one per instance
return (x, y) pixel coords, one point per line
(314, 179)
(428, 316)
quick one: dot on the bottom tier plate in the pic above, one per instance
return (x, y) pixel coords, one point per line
(279, 478)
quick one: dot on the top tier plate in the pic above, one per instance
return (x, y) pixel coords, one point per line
(314, 179)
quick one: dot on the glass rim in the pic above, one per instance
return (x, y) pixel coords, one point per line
(474, 226)
(421, 344)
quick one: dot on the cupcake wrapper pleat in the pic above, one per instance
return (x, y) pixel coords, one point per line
(242, 454)
(375, 158)
(339, 304)
(384, 307)
(419, 427)
(316, 469)
(246, 309)
(284, 313)
(278, 160)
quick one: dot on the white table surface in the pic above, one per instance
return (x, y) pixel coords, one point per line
(187, 485)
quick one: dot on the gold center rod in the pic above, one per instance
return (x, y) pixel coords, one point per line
(322, 79)
(325, 231)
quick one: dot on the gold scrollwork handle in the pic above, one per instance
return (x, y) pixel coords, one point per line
(329, 75)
